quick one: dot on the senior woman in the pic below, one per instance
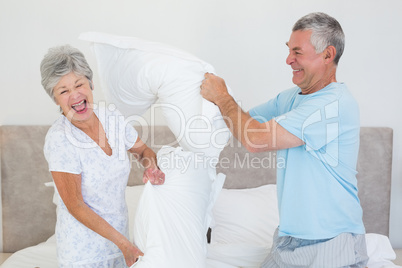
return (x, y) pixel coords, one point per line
(86, 149)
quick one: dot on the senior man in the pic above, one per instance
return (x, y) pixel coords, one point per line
(315, 129)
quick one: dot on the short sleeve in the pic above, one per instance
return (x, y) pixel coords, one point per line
(61, 154)
(315, 121)
(131, 136)
(128, 135)
(264, 112)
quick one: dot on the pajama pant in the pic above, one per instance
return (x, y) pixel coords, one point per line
(344, 250)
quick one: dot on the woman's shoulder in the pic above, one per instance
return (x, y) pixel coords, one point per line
(60, 140)
(58, 130)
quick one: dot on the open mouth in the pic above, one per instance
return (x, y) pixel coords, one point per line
(297, 70)
(80, 107)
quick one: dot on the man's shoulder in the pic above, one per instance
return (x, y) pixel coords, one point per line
(334, 92)
(336, 89)
(288, 93)
(343, 94)
(291, 91)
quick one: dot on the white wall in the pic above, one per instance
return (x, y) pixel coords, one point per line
(244, 40)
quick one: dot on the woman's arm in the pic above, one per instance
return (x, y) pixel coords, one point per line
(69, 188)
(147, 157)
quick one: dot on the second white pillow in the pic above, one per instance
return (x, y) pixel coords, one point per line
(245, 216)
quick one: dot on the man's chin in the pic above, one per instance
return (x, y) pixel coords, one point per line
(297, 82)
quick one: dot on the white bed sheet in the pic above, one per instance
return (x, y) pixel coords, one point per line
(44, 255)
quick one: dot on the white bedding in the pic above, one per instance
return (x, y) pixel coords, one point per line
(233, 243)
(44, 255)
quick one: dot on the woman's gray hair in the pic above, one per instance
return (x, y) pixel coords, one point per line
(326, 31)
(60, 61)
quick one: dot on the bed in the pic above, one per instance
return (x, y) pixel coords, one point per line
(28, 211)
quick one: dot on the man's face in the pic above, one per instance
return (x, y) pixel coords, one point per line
(308, 67)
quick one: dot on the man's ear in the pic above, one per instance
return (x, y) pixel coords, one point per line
(329, 54)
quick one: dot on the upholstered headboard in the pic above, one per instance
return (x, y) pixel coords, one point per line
(29, 215)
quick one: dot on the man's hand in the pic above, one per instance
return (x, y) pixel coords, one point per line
(154, 176)
(213, 88)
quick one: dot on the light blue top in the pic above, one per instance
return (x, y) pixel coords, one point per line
(316, 182)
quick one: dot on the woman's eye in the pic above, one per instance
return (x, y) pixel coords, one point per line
(64, 91)
(79, 85)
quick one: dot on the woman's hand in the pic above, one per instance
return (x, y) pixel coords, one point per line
(147, 158)
(131, 253)
(154, 176)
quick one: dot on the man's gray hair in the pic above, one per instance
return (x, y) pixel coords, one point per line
(60, 61)
(326, 31)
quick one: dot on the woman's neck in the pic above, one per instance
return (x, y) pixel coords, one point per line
(88, 126)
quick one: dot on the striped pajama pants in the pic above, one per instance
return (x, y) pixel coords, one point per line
(344, 250)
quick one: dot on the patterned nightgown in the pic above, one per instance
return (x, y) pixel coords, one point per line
(104, 179)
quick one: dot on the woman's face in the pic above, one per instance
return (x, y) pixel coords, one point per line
(74, 96)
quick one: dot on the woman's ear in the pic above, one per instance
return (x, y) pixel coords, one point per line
(57, 103)
(55, 100)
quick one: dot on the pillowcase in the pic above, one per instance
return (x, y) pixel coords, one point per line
(172, 219)
(379, 250)
(135, 73)
(133, 195)
(55, 199)
(238, 255)
(244, 222)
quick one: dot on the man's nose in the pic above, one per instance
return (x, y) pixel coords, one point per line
(290, 59)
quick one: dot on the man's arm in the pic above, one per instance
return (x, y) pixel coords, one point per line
(255, 136)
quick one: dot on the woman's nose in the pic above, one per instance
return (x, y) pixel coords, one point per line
(75, 93)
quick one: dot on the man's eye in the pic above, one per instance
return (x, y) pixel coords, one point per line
(79, 85)
(64, 91)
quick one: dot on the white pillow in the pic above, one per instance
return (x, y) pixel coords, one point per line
(135, 73)
(133, 195)
(380, 251)
(238, 255)
(172, 219)
(244, 220)
(245, 216)
(55, 194)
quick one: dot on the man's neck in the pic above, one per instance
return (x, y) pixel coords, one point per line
(322, 83)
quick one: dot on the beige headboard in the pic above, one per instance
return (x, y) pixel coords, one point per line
(29, 215)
